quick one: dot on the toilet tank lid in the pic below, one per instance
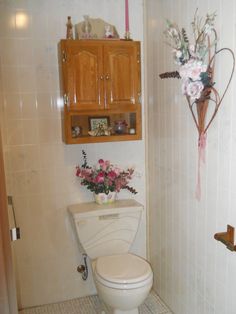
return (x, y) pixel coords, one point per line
(89, 209)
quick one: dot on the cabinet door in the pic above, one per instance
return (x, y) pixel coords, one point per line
(84, 76)
(121, 74)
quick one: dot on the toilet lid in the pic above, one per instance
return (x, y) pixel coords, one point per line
(123, 269)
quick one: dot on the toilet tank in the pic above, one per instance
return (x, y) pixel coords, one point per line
(106, 229)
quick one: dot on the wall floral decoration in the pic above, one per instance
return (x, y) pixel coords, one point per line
(196, 63)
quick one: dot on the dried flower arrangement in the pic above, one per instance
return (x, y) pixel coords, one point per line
(196, 70)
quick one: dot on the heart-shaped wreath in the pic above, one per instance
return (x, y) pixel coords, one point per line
(197, 65)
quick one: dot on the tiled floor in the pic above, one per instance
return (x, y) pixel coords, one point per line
(92, 305)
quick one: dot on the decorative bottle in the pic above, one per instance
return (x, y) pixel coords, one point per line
(69, 29)
(120, 126)
(86, 27)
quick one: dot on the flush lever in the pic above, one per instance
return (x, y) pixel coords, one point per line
(83, 268)
(109, 216)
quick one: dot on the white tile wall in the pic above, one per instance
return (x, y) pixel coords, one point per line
(193, 273)
(40, 168)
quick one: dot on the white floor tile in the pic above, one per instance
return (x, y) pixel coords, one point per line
(92, 305)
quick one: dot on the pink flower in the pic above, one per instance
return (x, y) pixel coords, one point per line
(105, 165)
(192, 70)
(100, 177)
(111, 175)
(117, 171)
(85, 174)
(101, 161)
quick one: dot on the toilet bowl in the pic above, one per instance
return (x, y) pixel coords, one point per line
(123, 281)
(106, 233)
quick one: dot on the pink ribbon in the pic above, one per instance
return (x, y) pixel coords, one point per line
(201, 159)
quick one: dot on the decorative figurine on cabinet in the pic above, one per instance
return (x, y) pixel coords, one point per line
(69, 29)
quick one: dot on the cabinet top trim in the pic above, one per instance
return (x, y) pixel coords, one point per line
(101, 41)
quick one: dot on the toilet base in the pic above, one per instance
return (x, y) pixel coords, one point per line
(133, 311)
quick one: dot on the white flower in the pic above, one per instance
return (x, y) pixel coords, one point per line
(178, 53)
(194, 89)
(191, 49)
(192, 69)
(172, 32)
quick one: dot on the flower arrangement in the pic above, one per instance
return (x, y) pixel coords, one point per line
(195, 70)
(196, 63)
(104, 177)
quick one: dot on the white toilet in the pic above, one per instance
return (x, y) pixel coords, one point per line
(106, 233)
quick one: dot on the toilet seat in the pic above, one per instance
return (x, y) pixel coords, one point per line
(125, 271)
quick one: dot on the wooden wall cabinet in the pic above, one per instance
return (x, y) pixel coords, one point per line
(101, 78)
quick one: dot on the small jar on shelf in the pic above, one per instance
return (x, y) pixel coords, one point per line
(120, 127)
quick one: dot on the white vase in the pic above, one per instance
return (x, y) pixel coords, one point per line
(103, 198)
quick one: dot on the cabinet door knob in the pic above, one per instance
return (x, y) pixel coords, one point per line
(107, 77)
(101, 77)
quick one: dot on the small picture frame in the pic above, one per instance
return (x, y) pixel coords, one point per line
(95, 122)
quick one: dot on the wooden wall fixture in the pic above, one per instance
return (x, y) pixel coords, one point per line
(227, 238)
(101, 79)
(197, 67)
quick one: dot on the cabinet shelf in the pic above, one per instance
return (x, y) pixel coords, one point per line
(100, 139)
(81, 121)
